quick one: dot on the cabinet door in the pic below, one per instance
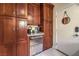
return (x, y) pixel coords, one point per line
(7, 36)
(1, 29)
(21, 10)
(48, 12)
(9, 9)
(3, 51)
(47, 40)
(22, 48)
(22, 41)
(2, 47)
(37, 14)
(10, 49)
(9, 30)
(1, 8)
(31, 14)
(48, 25)
(34, 11)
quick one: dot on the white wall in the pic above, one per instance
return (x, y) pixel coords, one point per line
(57, 7)
(65, 40)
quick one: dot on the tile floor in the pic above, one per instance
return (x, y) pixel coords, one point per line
(36, 47)
(50, 52)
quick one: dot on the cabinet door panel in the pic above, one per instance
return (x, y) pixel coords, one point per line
(2, 9)
(46, 12)
(9, 9)
(22, 10)
(31, 13)
(21, 29)
(48, 25)
(22, 41)
(37, 14)
(34, 11)
(9, 30)
(47, 41)
(22, 48)
(10, 49)
(7, 37)
(1, 30)
(3, 51)
(2, 47)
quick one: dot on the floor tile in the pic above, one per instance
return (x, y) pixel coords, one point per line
(50, 52)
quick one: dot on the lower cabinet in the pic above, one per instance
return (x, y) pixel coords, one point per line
(2, 50)
(22, 49)
(47, 40)
(13, 40)
(8, 50)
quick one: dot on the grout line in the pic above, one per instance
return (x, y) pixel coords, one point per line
(37, 53)
(62, 52)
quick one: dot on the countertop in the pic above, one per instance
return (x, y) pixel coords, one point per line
(36, 34)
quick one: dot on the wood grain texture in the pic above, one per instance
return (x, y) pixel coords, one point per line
(34, 11)
(48, 26)
(21, 10)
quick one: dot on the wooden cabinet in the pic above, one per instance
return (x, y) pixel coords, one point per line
(9, 30)
(22, 38)
(22, 49)
(7, 9)
(30, 14)
(48, 39)
(34, 12)
(10, 49)
(13, 37)
(21, 10)
(7, 36)
(37, 14)
(2, 9)
(48, 25)
(1, 29)
(3, 51)
(10, 9)
(21, 29)
(48, 12)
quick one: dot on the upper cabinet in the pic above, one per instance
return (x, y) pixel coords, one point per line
(30, 11)
(34, 12)
(7, 9)
(30, 14)
(37, 14)
(1, 8)
(21, 10)
(48, 12)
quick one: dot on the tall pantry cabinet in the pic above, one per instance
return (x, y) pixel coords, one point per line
(48, 26)
(13, 39)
